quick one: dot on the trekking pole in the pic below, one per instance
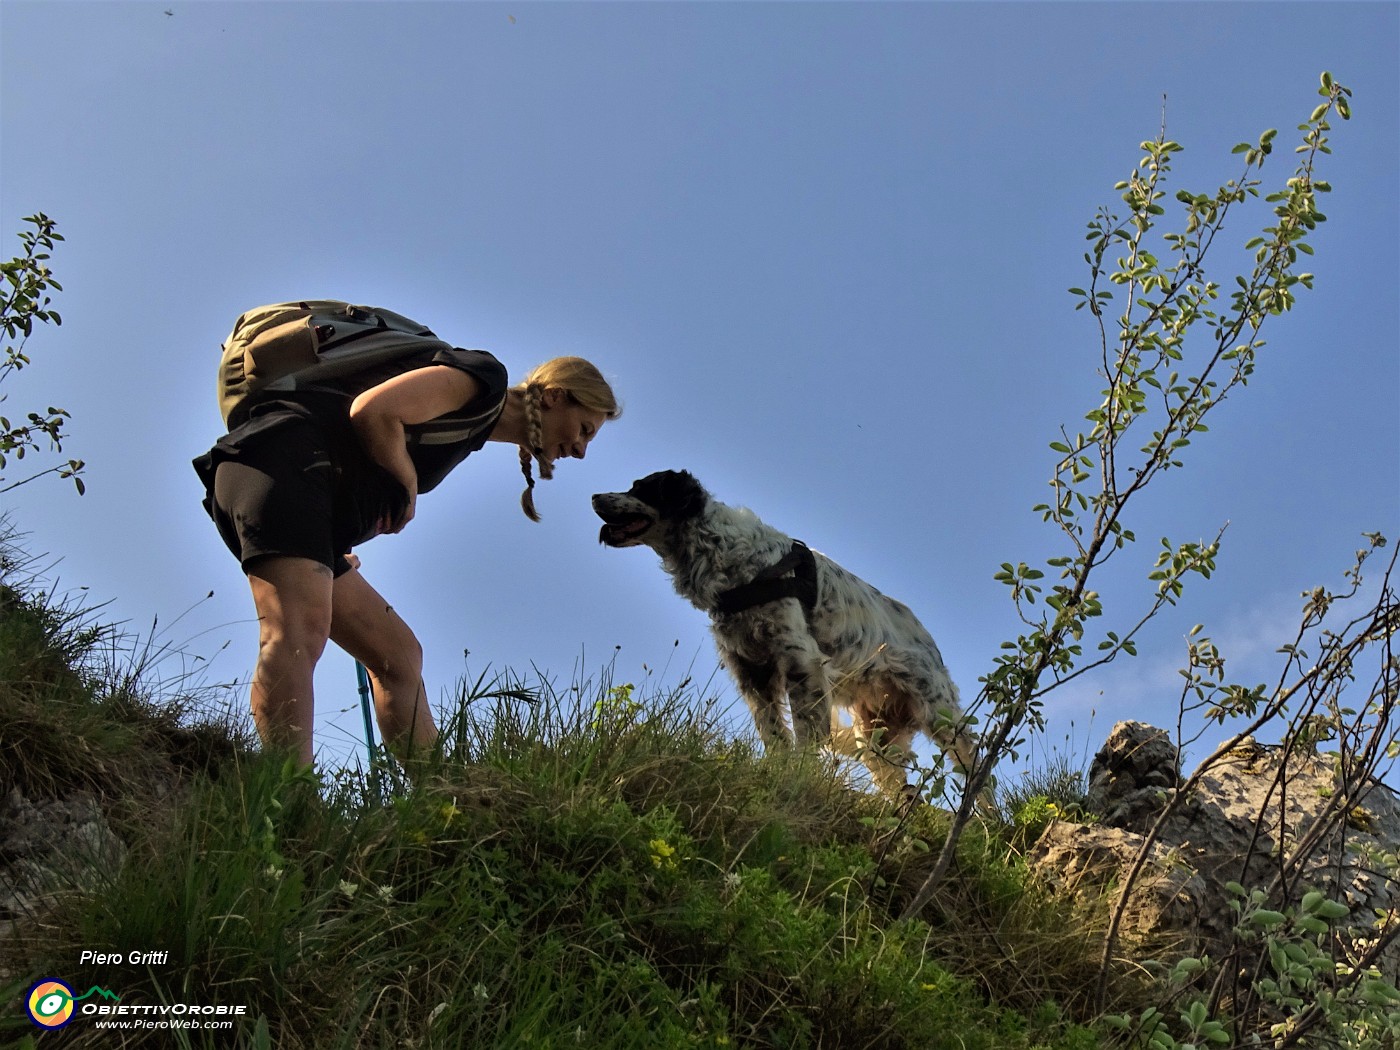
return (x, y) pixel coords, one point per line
(365, 696)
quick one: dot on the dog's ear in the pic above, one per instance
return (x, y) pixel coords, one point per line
(689, 495)
(675, 493)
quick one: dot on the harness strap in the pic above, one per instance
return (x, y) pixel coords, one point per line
(774, 584)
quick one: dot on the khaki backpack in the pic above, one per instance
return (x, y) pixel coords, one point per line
(317, 343)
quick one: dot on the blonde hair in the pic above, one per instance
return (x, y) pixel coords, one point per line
(583, 385)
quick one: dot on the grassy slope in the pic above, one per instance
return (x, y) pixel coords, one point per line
(609, 871)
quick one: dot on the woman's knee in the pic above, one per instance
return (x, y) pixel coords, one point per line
(283, 647)
(397, 656)
(366, 626)
(293, 602)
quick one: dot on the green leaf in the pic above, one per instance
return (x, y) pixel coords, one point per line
(1196, 1015)
(1333, 910)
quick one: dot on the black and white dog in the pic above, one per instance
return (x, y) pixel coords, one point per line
(790, 622)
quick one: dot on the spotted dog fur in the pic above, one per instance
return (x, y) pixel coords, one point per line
(858, 649)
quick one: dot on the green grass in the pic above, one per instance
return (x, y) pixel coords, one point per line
(578, 867)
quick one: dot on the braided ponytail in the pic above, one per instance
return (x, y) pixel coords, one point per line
(584, 385)
(534, 451)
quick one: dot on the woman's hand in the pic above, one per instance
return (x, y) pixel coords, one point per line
(381, 413)
(389, 525)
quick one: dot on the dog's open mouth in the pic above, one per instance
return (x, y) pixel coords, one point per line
(620, 530)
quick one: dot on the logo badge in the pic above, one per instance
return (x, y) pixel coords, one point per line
(50, 1003)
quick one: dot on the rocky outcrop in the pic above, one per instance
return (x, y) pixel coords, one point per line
(1261, 817)
(1134, 774)
(52, 846)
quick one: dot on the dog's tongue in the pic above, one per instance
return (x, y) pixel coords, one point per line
(612, 534)
(615, 532)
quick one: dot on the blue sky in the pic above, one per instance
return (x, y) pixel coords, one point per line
(821, 249)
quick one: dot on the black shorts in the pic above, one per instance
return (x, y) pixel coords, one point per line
(285, 491)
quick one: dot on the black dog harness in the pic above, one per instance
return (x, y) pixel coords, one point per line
(774, 583)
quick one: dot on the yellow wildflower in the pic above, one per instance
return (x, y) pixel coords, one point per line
(663, 854)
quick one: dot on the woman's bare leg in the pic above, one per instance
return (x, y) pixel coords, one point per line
(293, 601)
(366, 627)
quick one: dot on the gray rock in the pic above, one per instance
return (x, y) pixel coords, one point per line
(1089, 861)
(52, 846)
(1133, 775)
(1261, 817)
